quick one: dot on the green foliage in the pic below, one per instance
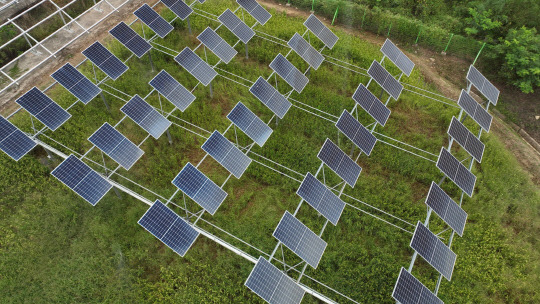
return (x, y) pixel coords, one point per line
(480, 23)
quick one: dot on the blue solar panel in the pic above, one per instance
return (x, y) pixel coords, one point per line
(105, 60)
(300, 239)
(43, 108)
(289, 73)
(196, 66)
(179, 8)
(448, 210)
(321, 31)
(169, 228)
(171, 89)
(80, 178)
(250, 124)
(200, 188)
(456, 171)
(318, 196)
(401, 60)
(146, 116)
(408, 290)
(272, 285)
(339, 162)
(483, 85)
(270, 97)
(371, 104)
(153, 20)
(227, 154)
(116, 146)
(13, 141)
(216, 44)
(236, 26)
(466, 139)
(255, 10)
(385, 79)
(356, 132)
(76, 83)
(306, 51)
(130, 39)
(475, 110)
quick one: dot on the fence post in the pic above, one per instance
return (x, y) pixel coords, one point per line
(335, 15)
(477, 55)
(363, 17)
(448, 44)
(312, 6)
(389, 28)
(418, 36)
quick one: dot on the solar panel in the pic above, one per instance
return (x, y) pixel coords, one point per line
(448, 210)
(217, 45)
(116, 146)
(236, 26)
(196, 66)
(289, 73)
(339, 162)
(408, 290)
(483, 85)
(153, 20)
(146, 116)
(130, 39)
(272, 285)
(270, 97)
(371, 104)
(456, 171)
(179, 8)
(76, 83)
(306, 51)
(13, 141)
(171, 89)
(466, 139)
(300, 239)
(168, 227)
(318, 196)
(475, 110)
(250, 124)
(321, 31)
(433, 250)
(255, 10)
(385, 79)
(227, 154)
(43, 108)
(200, 188)
(80, 178)
(390, 50)
(105, 60)
(356, 132)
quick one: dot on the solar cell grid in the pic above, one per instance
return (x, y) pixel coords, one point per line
(196, 66)
(483, 85)
(13, 141)
(116, 146)
(146, 116)
(43, 108)
(339, 162)
(153, 20)
(475, 110)
(236, 26)
(356, 132)
(217, 45)
(403, 62)
(408, 290)
(255, 10)
(456, 171)
(322, 199)
(466, 139)
(306, 51)
(321, 31)
(250, 124)
(371, 104)
(130, 39)
(105, 60)
(270, 97)
(385, 79)
(227, 154)
(448, 210)
(289, 73)
(172, 90)
(179, 8)
(76, 83)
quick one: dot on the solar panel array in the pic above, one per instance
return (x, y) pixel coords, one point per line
(130, 39)
(236, 26)
(300, 239)
(196, 66)
(321, 31)
(433, 250)
(483, 85)
(217, 45)
(339, 162)
(105, 60)
(171, 89)
(322, 199)
(116, 146)
(466, 139)
(200, 188)
(250, 124)
(168, 227)
(289, 73)
(255, 10)
(385, 79)
(153, 20)
(76, 83)
(13, 141)
(475, 110)
(80, 178)
(445, 207)
(390, 50)
(408, 290)
(179, 8)
(146, 116)
(43, 108)
(275, 287)
(227, 154)
(456, 171)
(371, 104)
(356, 132)
(270, 97)
(306, 51)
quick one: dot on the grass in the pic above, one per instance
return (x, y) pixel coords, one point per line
(54, 247)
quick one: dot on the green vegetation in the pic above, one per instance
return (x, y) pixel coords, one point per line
(54, 247)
